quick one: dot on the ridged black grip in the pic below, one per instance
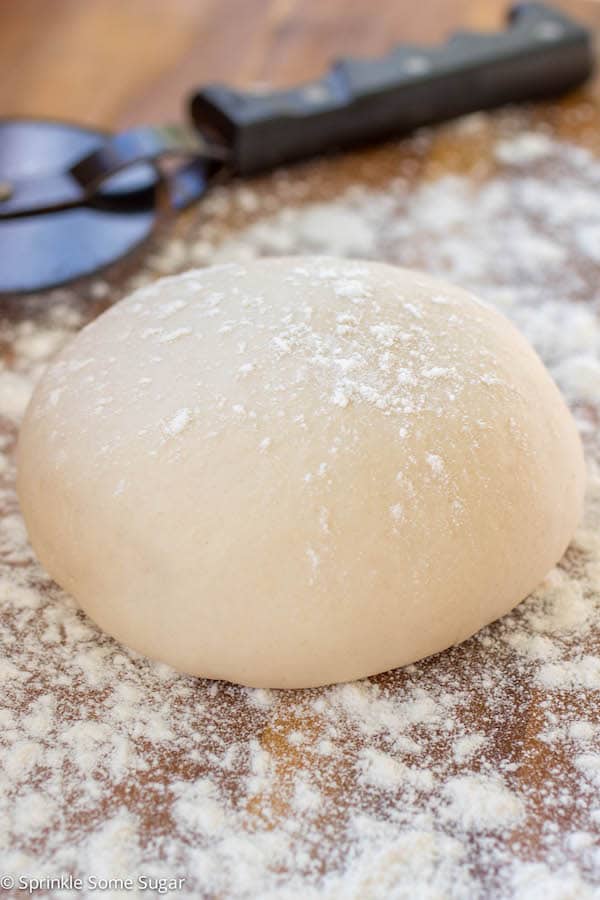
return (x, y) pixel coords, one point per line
(541, 53)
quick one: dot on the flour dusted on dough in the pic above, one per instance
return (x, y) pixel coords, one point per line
(259, 575)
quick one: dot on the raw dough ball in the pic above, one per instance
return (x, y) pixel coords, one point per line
(298, 471)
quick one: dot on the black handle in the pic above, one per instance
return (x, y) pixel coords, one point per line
(541, 53)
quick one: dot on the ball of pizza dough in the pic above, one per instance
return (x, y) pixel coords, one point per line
(298, 471)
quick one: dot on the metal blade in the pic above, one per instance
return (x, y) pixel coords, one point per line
(45, 250)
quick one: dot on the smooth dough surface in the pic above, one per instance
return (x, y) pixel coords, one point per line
(298, 471)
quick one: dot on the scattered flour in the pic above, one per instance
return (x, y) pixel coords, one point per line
(472, 774)
(481, 803)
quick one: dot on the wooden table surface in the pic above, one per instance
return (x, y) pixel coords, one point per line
(113, 63)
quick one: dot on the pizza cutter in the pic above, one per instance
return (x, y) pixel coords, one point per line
(73, 199)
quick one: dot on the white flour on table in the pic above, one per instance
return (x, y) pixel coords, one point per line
(472, 774)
